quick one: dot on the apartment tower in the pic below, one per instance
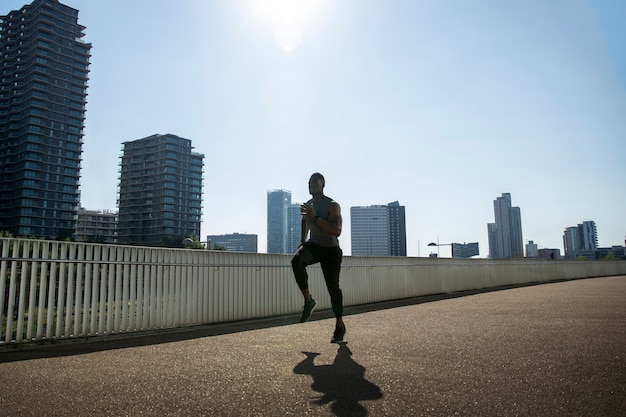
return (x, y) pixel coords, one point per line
(44, 67)
(580, 239)
(160, 191)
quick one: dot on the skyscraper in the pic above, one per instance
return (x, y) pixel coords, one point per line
(588, 235)
(397, 229)
(505, 235)
(294, 228)
(517, 241)
(160, 191)
(581, 239)
(44, 67)
(283, 222)
(492, 238)
(571, 242)
(378, 230)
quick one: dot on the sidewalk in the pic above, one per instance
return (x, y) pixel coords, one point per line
(555, 349)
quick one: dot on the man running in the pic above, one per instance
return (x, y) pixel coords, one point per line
(321, 216)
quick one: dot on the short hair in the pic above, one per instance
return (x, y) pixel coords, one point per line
(319, 176)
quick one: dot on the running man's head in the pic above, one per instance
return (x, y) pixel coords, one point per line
(316, 184)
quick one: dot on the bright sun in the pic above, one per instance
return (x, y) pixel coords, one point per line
(287, 18)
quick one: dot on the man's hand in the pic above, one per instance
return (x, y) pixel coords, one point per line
(308, 210)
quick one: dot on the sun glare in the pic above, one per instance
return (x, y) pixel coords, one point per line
(286, 18)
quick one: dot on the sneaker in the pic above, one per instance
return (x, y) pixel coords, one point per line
(338, 335)
(307, 310)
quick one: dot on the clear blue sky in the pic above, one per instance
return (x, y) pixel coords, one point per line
(441, 105)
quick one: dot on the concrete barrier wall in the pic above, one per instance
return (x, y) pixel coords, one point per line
(56, 290)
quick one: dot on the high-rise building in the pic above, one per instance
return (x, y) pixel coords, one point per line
(517, 241)
(571, 242)
(378, 230)
(277, 202)
(588, 235)
(44, 67)
(160, 191)
(397, 229)
(235, 242)
(506, 232)
(294, 228)
(284, 222)
(492, 238)
(580, 240)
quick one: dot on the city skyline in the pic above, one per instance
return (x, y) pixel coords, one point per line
(441, 106)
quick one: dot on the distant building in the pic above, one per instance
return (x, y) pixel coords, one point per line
(160, 190)
(549, 253)
(464, 250)
(277, 202)
(378, 230)
(505, 235)
(284, 222)
(397, 229)
(531, 249)
(581, 239)
(234, 242)
(588, 235)
(293, 237)
(614, 252)
(96, 226)
(571, 242)
(44, 68)
(492, 238)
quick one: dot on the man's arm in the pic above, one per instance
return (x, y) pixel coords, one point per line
(334, 222)
(305, 230)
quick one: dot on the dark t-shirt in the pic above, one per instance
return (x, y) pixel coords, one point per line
(318, 235)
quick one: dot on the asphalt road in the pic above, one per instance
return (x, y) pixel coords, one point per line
(556, 349)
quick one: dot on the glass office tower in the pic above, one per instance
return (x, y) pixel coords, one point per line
(277, 220)
(284, 222)
(505, 235)
(44, 67)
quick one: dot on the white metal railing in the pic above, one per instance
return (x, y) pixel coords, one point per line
(54, 290)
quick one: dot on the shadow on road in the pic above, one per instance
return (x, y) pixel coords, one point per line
(341, 384)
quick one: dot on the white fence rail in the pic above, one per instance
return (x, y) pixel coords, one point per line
(56, 290)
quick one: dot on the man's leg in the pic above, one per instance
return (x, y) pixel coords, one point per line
(299, 262)
(331, 267)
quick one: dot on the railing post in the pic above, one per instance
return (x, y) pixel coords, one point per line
(43, 289)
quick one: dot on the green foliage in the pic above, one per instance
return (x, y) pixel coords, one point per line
(196, 243)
